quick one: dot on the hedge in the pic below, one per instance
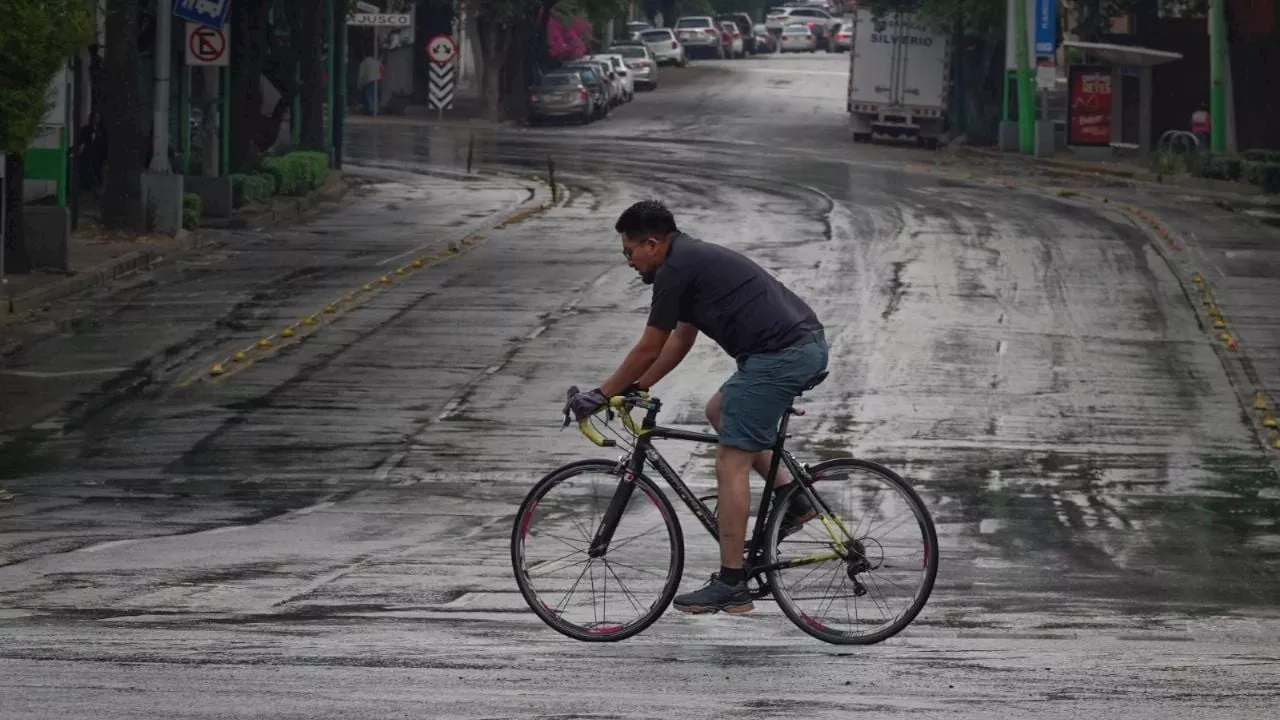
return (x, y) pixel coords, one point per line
(1258, 167)
(192, 211)
(251, 187)
(298, 173)
(1265, 175)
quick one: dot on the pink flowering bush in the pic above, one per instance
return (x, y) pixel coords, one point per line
(568, 42)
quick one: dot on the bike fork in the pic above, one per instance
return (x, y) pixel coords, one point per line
(613, 515)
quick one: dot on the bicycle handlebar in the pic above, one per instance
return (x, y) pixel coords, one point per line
(621, 403)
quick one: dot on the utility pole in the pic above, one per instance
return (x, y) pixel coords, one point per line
(1217, 76)
(160, 118)
(1026, 85)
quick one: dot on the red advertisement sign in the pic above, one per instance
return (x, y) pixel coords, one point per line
(1089, 111)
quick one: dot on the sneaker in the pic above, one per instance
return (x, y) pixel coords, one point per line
(799, 512)
(716, 596)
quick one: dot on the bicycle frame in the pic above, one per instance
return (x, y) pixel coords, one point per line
(645, 451)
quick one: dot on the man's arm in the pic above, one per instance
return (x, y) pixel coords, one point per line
(642, 356)
(673, 352)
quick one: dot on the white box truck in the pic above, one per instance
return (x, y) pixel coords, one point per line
(899, 77)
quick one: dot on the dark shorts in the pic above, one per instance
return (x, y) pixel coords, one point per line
(753, 399)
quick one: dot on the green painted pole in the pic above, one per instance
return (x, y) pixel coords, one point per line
(1026, 85)
(1218, 76)
(184, 117)
(224, 145)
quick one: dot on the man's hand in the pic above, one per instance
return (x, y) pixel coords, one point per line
(586, 404)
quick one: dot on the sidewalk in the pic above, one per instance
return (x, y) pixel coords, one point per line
(166, 323)
(1127, 170)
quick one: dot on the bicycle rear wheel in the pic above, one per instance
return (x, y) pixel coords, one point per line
(883, 582)
(605, 598)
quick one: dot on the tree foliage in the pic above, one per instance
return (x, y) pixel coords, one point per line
(36, 38)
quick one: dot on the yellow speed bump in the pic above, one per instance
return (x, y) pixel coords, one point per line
(309, 320)
(1225, 337)
(287, 332)
(400, 270)
(1275, 442)
(217, 369)
(1259, 400)
(239, 356)
(417, 262)
(328, 308)
(1270, 421)
(368, 287)
(264, 343)
(1197, 279)
(1218, 323)
(384, 279)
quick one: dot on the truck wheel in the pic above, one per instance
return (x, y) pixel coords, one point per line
(930, 143)
(862, 137)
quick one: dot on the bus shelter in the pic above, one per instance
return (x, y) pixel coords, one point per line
(1109, 98)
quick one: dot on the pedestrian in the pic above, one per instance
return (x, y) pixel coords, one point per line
(370, 74)
(91, 152)
(778, 344)
(1200, 125)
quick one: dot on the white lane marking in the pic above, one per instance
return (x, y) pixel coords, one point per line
(1001, 347)
(391, 463)
(64, 373)
(448, 410)
(536, 332)
(312, 508)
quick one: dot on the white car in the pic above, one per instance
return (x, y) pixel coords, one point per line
(820, 21)
(737, 46)
(700, 33)
(666, 49)
(797, 37)
(642, 64)
(626, 81)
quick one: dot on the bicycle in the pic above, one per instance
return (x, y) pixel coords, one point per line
(859, 558)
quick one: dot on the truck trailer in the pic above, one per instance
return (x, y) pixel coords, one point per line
(899, 78)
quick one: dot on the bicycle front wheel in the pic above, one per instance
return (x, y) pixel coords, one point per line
(595, 599)
(873, 583)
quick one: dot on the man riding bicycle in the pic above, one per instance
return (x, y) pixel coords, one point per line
(774, 336)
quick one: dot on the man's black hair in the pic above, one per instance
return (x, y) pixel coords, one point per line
(647, 217)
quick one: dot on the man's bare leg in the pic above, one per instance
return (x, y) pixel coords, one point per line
(733, 504)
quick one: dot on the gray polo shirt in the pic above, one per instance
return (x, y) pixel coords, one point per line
(729, 298)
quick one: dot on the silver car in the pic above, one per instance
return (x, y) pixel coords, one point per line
(797, 37)
(666, 49)
(700, 33)
(642, 64)
(560, 95)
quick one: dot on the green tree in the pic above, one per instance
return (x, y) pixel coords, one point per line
(37, 37)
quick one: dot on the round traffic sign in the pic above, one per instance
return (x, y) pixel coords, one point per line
(441, 49)
(207, 45)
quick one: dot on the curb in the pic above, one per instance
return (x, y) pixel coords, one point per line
(231, 362)
(100, 274)
(1133, 175)
(1235, 362)
(335, 188)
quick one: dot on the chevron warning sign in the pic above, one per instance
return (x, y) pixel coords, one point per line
(443, 80)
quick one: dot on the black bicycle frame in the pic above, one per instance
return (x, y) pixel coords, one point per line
(644, 450)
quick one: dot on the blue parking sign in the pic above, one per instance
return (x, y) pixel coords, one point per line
(1046, 30)
(211, 13)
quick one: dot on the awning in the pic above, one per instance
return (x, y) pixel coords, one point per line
(1129, 55)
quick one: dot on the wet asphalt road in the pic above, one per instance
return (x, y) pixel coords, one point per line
(324, 533)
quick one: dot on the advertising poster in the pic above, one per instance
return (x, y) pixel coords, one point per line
(1089, 109)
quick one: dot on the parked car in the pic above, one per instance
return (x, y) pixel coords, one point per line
(642, 64)
(743, 21)
(560, 95)
(598, 86)
(841, 39)
(626, 81)
(818, 20)
(666, 49)
(797, 37)
(636, 27)
(700, 34)
(612, 84)
(766, 42)
(731, 40)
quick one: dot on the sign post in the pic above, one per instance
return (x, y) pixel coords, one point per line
(442, 51)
